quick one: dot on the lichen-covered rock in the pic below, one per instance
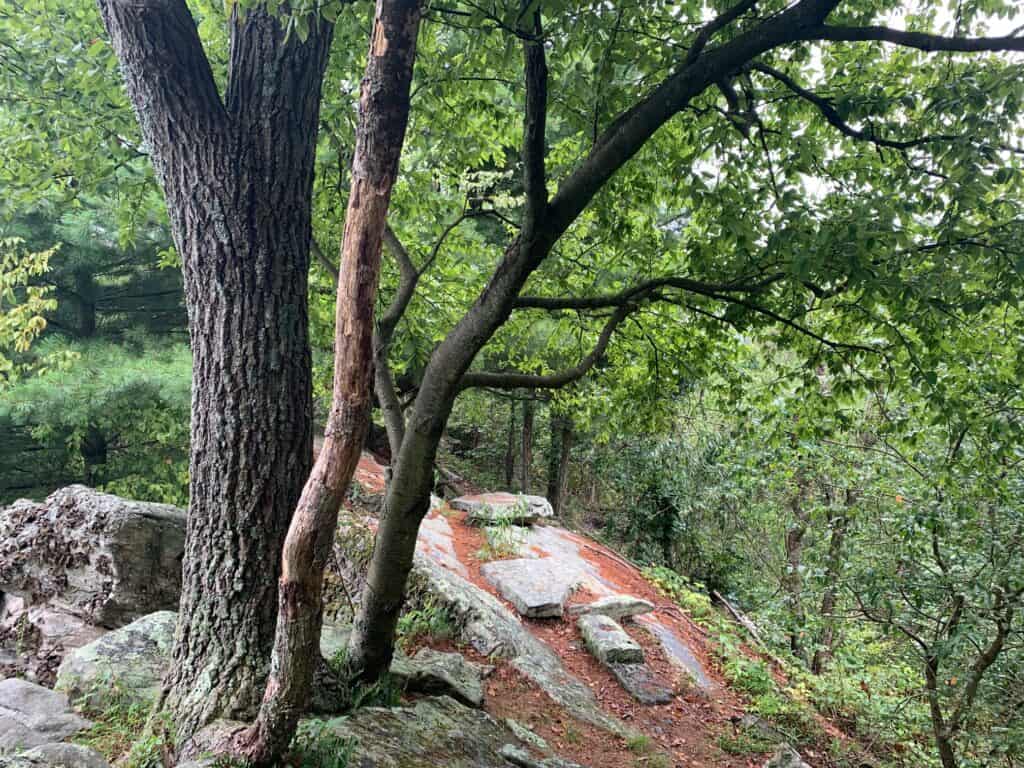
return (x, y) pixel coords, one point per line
(607, 641)
(129, 662)
(616, 607)
(537, 588)
(56, 755)
(786, 757)
(432, 732)
(98, 557)
(435, 672)
(504, 508)
(31, 716)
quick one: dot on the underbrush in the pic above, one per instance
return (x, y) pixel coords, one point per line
(784, 703)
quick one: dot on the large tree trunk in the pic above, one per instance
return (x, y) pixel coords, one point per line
(383, 115)
(526, 447)
(237, 176)
(793, 581)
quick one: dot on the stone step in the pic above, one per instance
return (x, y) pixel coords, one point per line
(538, 588)
(616, 607)
(607, 641)
(641, 683)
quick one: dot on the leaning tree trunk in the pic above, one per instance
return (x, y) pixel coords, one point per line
(237, 175)
(383, 115)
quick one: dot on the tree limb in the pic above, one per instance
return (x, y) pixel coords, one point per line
(923, 41)
(516, 380)
(832, 116)
(643, 290)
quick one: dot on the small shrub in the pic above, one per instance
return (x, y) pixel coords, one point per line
(430, 620)
(316, 746)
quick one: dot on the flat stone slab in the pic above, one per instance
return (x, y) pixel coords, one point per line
(641, 684)
(31, 716)
(537, 588)
(504, 508)
(616, 607)
(607, 641)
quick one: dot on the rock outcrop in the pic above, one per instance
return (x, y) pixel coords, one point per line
(31, 716)
(92, 555)
(432, 732)
(56, 755)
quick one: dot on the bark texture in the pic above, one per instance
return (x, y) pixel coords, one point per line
(237, 176)
(383, 116)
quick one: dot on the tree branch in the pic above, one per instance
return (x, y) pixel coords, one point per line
(715, 25)
(644, 290)
(923, 41)
(516, 380)
(534, 124)
(832, 116)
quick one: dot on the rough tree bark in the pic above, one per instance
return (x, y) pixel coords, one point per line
(237, 175)
(383, 116)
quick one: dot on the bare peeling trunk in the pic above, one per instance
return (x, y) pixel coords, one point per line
(237, 175)
(383, 115)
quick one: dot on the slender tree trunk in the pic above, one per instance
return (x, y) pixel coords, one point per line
(526, 459)
(833, 568)
(510, 447)
(85, 303)
(383, 115)
(793, 579)
(237, 176)
(558, 459)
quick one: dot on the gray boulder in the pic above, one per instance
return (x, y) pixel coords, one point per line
(56, 755)
(537, 588)
(98, 557)
(31, 716)
(435, 672)
(504, 508)
(616, 607)
(607, 641)
(128, 663)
